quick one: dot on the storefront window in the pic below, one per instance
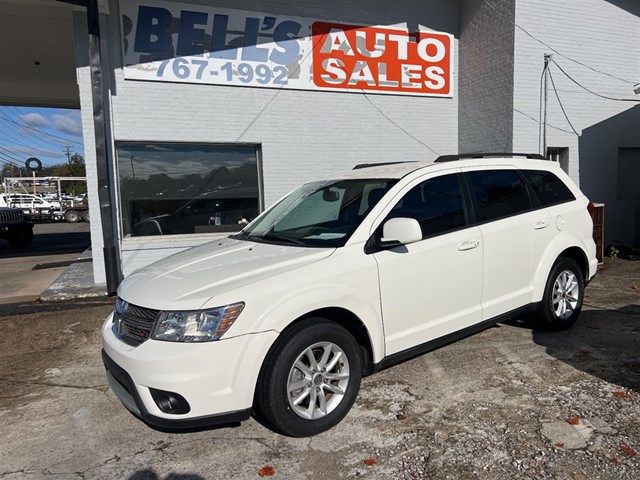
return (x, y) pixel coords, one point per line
(181, 188)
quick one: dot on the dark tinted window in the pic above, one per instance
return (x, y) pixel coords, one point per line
(180, 188)
(549, 189)
(500, 193)
(436, 203)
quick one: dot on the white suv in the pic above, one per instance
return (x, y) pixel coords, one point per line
(340, 278)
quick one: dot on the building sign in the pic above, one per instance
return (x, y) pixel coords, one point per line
(176, 42)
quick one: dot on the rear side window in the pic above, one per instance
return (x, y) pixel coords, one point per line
(499, 194)
(436, 204)
(549, 189)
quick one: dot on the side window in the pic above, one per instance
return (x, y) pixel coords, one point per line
(499, 193)
(549, 189)
(437, 204)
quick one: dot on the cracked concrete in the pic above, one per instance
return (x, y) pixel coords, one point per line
(507, 403)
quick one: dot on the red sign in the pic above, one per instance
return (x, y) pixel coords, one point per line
(348, 57)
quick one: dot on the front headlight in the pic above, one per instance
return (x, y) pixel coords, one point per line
(196, 326)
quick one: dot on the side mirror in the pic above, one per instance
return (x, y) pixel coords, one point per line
(400, 231)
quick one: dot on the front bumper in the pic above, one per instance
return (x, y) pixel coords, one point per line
(216, 379)
(125, 389)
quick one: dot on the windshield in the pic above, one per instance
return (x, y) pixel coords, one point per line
(318, 214)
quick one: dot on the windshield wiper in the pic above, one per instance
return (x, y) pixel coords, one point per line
(242, 235)
(277, 236)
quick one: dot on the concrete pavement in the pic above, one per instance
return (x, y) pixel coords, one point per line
(507, 403)
(47, 278)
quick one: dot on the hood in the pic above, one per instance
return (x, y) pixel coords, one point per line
(187, 280)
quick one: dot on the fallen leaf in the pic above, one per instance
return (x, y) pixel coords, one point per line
(584, 351)
(370, 461)
(586, 300)
(559, 445)
(620, 394)
(615, 460)
(573, 421)
(267, 471)
(627, 450)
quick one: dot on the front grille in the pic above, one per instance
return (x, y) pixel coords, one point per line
(133, 324)
(10, 216)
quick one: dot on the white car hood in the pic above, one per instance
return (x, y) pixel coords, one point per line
(187, 280)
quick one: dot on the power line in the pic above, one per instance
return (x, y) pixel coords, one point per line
(634, 100)
(8, 153)
(9, 142)
(553, 49)
(561, 106)
(38, 130)
(538, 121)
(398, 125)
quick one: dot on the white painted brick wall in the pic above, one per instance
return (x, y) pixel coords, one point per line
(606, 36)
(486, 76)
(88, 135)
(303, 134)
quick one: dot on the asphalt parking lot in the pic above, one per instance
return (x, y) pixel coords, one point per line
(508, 403)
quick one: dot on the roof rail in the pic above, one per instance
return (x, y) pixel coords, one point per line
(369, 165)
(461, 156)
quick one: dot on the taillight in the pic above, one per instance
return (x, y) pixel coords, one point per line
(591, 208)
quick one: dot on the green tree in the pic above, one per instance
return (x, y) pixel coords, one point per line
(74, 168)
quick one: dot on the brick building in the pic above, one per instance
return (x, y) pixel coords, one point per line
(214, 109)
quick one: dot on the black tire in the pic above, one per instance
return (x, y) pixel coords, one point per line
(71, 216)
(322, 339)
(85, 216)
(563, 296)
(20, 237)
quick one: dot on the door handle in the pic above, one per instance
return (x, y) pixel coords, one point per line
(469, 245)
(540, 225)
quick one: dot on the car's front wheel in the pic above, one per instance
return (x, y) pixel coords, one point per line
(563, 296)
(309, 379)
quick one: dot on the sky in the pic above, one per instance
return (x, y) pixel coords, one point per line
(43, 133)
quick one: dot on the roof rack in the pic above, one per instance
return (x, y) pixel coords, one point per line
(369, 165)
(450, 158)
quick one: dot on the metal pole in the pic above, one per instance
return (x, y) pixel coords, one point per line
(110, 250)
(547, 58)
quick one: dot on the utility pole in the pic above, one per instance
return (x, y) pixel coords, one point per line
(68, 153)
(547, 59)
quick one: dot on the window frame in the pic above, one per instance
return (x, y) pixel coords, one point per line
(182, 236)
(373, 244)
(534, 195)
(534, 203)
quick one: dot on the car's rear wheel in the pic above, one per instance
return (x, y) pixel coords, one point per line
(563, 296)
(309, 379)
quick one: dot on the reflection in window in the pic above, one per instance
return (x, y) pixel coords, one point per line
(549, 188)
(500, 193)
(178, 188)
(436, 204)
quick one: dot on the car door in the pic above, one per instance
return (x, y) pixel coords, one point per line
(432, 287)
(513, 233)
